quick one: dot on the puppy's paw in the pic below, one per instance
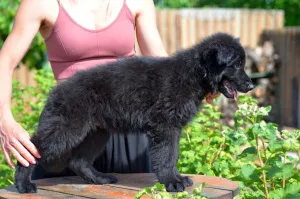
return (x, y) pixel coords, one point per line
(186, 181)
(106, 179)
(175, 187)
(179, 186)
(27, 188)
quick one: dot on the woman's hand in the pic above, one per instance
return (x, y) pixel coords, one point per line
(210, 97)
(14, 139)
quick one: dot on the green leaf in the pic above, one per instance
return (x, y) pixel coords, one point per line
(275, 146)
(277, 194)
(140, 194)
(268, 109)
(157, 196)
(288, 170)
(247, 171)
(249, 150)
(293, 188)
(159, 186)
(181, 195)
(273, 171)
(249, 154)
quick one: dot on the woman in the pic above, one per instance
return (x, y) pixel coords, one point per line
(79, 34)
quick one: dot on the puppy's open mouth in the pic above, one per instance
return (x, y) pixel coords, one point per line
(228, 89)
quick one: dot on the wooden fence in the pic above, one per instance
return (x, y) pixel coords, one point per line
(287, 44)
(184, 27)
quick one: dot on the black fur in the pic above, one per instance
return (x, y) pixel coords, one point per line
(155, 96)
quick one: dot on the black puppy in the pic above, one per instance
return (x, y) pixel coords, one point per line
(155, 96)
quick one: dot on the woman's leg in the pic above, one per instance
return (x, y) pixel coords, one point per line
(125, 154)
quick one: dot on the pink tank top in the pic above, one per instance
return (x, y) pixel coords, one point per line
(72, 47)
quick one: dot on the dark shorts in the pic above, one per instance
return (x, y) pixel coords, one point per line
(123, 154)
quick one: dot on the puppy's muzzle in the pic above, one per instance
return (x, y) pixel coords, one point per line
(249, 86)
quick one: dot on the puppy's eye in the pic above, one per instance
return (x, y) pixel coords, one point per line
(239, 64)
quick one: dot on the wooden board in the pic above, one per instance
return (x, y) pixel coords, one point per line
(128, 185)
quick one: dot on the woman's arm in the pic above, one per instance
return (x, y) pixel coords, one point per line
(13, 138)
(148, 37)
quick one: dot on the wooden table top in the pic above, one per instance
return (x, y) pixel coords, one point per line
(128, 186)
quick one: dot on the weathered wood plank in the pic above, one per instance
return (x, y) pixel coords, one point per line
(127, 187)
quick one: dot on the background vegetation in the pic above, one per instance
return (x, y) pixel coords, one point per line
(254, 153)
(36, 55)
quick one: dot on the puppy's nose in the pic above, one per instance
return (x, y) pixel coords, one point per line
(249, 85)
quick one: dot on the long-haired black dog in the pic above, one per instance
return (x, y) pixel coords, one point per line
(155, 96)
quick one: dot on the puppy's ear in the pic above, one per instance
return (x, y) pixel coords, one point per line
(237, 39)
(224, 55)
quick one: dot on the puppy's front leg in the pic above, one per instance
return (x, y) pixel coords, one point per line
(164, 156)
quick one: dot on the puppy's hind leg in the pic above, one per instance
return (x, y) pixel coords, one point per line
(85, 154)
(22, 179)
(164, 156)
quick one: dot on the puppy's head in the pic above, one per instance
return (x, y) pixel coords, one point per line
(224, 58)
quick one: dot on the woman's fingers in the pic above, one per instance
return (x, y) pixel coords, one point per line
(25, 146)
(15, 140)
(18, 156)
(30, 147)
(21, 153)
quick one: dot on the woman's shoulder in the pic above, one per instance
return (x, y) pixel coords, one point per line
(138, 7)
(37, 8)
(43, 12)
(42, 5)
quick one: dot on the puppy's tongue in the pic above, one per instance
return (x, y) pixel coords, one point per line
(234, 94)
(232, 90)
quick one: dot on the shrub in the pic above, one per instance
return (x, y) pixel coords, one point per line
(254, 153)
(36, 55)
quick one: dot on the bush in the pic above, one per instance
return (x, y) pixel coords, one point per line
(36, 56)
(27, 104)
(254, 153)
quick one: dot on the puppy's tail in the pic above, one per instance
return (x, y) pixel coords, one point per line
(53, 138)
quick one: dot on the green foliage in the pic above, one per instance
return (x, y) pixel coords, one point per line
(291, 7)
(27, 104)
(254, 153)
(35, 57)
(6, 173)
(158, 191)
(200, 151)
